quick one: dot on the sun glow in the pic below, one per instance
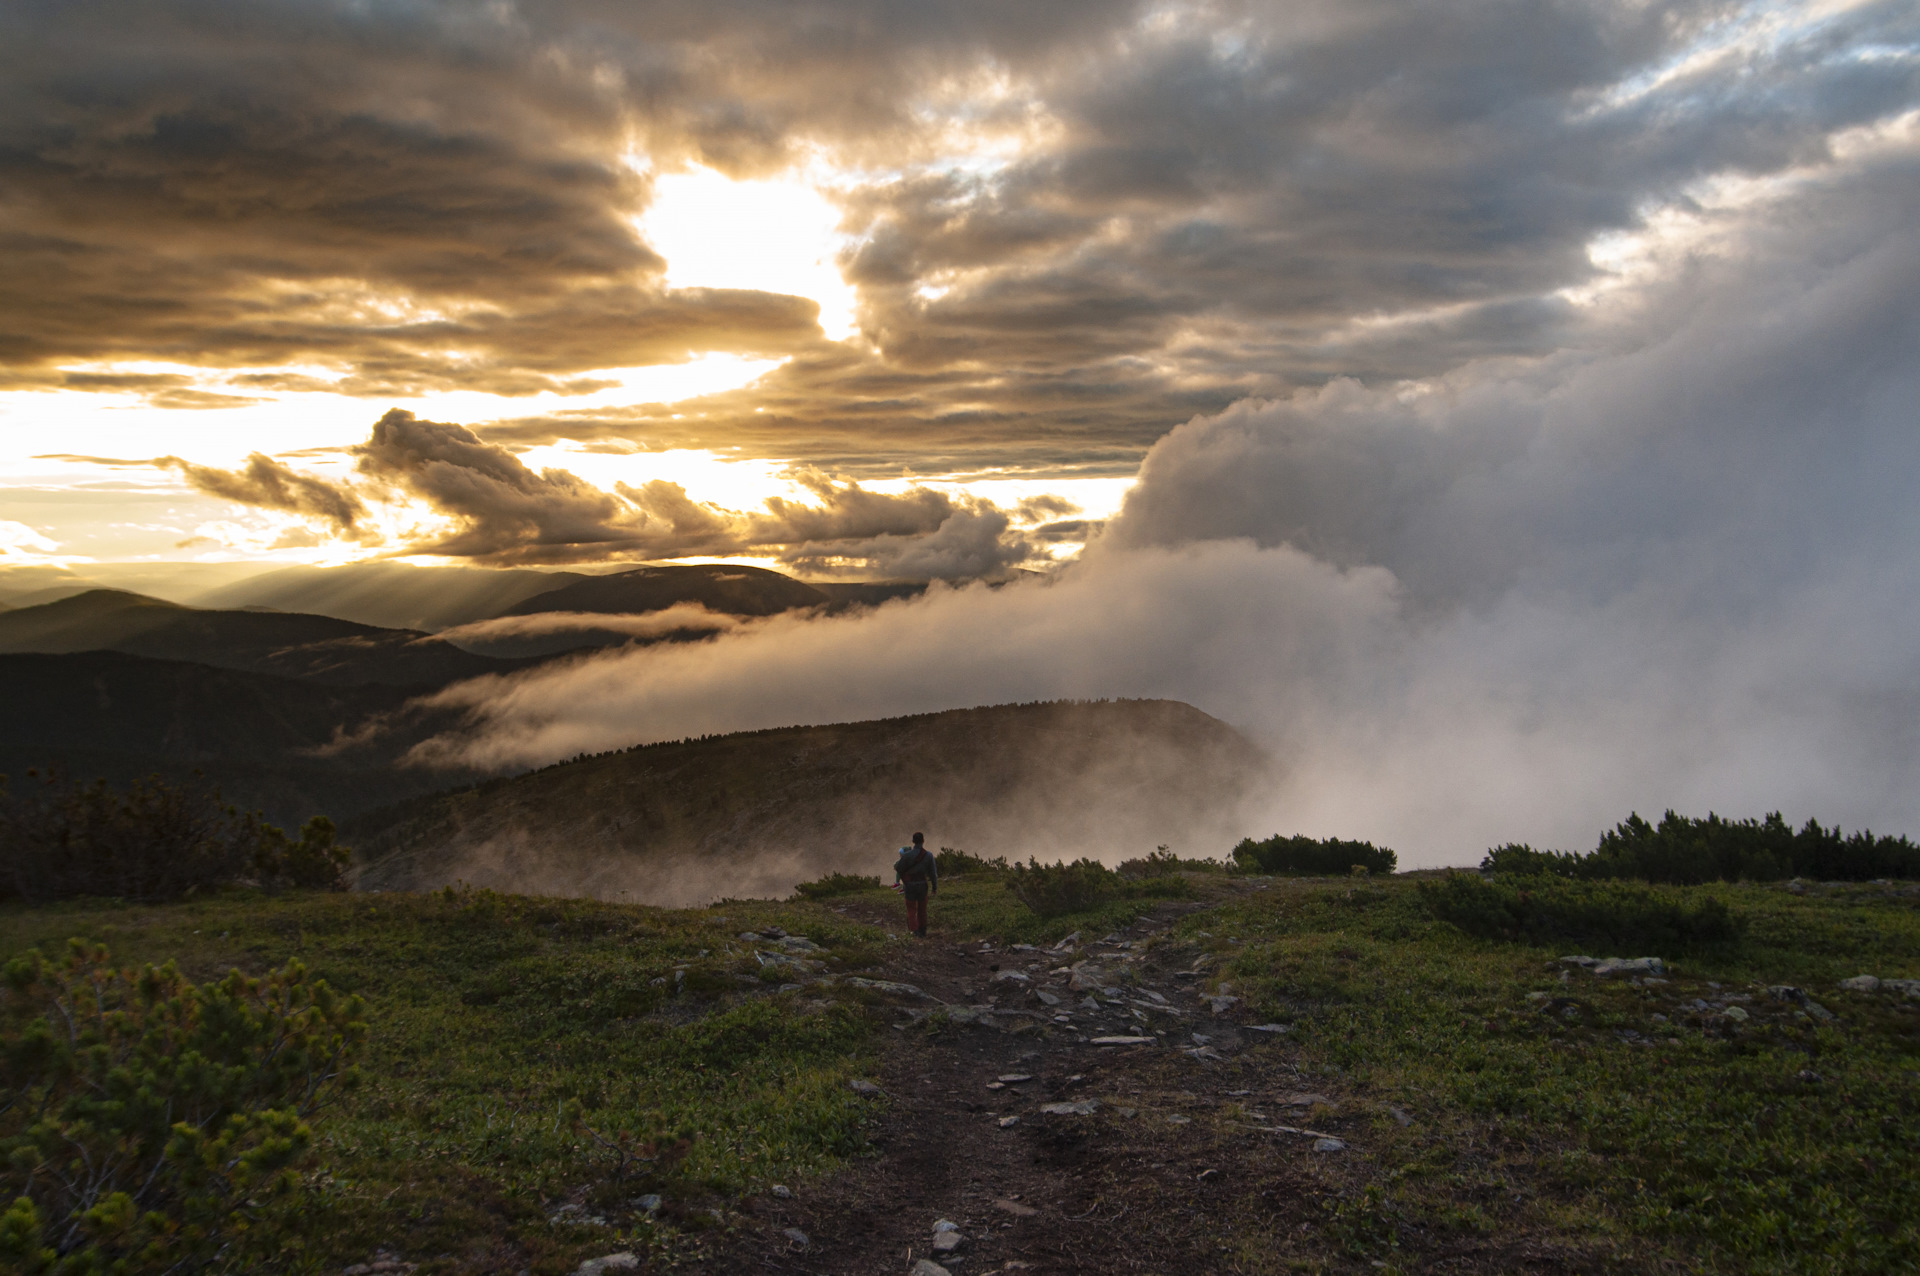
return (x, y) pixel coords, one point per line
(776, 235)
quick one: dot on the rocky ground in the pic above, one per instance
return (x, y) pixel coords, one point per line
(1081, 1108)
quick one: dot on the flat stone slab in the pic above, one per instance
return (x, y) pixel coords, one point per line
(1123, 1041)
(884, 985)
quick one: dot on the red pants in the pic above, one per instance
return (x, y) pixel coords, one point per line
(916, 914)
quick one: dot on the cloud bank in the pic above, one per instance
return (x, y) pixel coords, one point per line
(1675, 564)
(1069, 224)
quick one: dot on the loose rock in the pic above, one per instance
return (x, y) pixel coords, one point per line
(1086, 977)
(1084, 1107)
(866, 1089)
(927, 1267)
(1325, 1144)
(1630, 966)
(1861, 983)
(1123, 1041)
(885, 985)
(624, 1261)
(1014, 1208)
(796, 1237)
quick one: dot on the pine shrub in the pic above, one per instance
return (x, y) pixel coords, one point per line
(1308, 857)
(1545, 912)
(151, 1125)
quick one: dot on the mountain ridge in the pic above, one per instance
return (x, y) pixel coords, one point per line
(755, 812)
(287, 644)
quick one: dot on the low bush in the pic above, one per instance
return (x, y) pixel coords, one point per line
(836, 884)
(1685, 851)
(953, 863)
(1308, 857)
(148, 1124)
(1163, 863)
(1054, 890)
(1547, 912)
(152, 841)
(1051, 890)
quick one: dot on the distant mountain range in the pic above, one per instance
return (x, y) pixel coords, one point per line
(110, 683)
(288, 644)
(755, 812)
(737, 591)
(390, 595)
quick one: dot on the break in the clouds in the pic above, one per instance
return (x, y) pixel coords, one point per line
(1676, 565)
(1069, 225)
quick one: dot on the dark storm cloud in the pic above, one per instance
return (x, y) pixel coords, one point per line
(1211, 201)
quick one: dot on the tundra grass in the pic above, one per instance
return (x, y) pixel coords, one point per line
(1610, 1122)
(507, 1033)
(1596, 1115)
(979, 906)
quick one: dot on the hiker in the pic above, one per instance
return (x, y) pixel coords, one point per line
(916, 876)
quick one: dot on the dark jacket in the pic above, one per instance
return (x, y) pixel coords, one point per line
(918, 873)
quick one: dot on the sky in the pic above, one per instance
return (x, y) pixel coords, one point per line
(1504, 411)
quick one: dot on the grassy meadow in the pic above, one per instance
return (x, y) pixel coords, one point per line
(514, 1040)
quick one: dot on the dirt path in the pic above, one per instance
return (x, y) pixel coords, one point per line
(1172, 1166)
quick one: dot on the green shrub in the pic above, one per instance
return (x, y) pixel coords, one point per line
(952, 863)
(1517, 859)
(1545, 912)
(1685, 851)
(1161, 862)
(152, 841)
(1054, 890)
(1307, 857)
(836, 884)
(148, 1124)
(315, 862)
(1051, 890)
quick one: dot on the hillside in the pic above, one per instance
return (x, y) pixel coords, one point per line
(285, 644)
(735, 590)
(263, 740)
(754, 813)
